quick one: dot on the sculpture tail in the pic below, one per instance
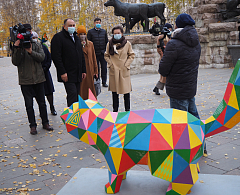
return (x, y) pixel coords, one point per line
(227, 114)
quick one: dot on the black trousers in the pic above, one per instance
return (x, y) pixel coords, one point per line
(72, 90)
(37, 91)
(115, 98)
(100, 58)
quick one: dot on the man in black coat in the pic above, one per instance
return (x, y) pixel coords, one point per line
(180, 65)
(67, 55)
(100, 39)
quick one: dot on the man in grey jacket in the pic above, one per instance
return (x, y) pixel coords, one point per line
(31, 78)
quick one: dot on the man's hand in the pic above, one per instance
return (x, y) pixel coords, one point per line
(29, 50)
(160, 37)
(64, 77)
(17, 43)
(84, 75)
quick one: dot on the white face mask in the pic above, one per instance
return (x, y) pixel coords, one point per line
(82, 37)
(34, 40)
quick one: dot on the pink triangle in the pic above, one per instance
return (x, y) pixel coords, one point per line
(91, 142)
(85, 117)
(169, 187)
(202, 134)
(91, 96)
(103, 114)
(106, 134)
(114, 115)
(113, 177)
(134, 118)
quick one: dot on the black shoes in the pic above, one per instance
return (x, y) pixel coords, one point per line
(104, 85)
(47, 127)
(53, 111)
(156, 90)
(33, 130)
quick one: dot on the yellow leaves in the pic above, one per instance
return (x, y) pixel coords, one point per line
(68, 166)
(65, 155)
(58, 139)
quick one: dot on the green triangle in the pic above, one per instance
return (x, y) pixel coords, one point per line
(237, 89)
(208, 126)
(234, 73)
(191, 118)
(113, 185)
(184, 153)
(157, 158)
(95, 146)
(121, 115)
(172, 192)
(135, 155)
(199, 153)
(65, 112)
(81, 132)
(99, 123)
(132, 130)
(102, 146)
(219, 109)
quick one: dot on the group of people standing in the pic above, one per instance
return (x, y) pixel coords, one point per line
(78, 55)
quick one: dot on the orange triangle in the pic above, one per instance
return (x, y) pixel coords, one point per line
(177, 130)
(70, 127)
(91, 96)
(144, 160)
(157, 142)
(134, 118)
(106, 134)
(126, 163)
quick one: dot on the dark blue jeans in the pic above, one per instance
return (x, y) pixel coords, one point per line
(185, 104)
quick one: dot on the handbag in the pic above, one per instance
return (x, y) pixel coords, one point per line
(97, 85)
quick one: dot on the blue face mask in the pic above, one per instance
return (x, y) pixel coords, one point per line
(71, 30)
(169, 34)
(117, 36)
(98, 25)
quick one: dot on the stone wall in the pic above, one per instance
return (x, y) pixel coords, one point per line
(146, 56)
(214, 34)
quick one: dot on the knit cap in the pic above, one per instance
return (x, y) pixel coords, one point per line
(81, 29)
(184, 20)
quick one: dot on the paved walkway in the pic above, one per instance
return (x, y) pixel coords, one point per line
(43, 163)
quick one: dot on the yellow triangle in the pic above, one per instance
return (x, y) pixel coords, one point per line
(233, 100)
(93, 136)
(82, 110)
(84, 138)
(194, 140)
(181, 188)
(97, 111)
(149, 163)
(65, 109)
(233, 121)
(116, 157)
(179, 116)
(90, 104)
(75, 106)
(109, 118)
(198, 168)
(193, 168)
(166, 131)
(210, 119)
(109, 190)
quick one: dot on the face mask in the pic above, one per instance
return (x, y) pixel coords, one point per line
(71, 30)
(169, 34)
(35, 40)
(98, 25)
(117, 36)
(82, 37)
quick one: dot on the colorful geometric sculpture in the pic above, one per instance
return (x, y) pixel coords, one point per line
(169, 141)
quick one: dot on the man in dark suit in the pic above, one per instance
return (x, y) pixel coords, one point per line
(100, 39)
(67, 55)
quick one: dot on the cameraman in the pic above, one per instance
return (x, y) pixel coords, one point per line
(31, 78)
(165, 39)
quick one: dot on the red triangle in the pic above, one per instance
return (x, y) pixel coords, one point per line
(106, 134)
(144, 160)
(70, 127)
(228, 92)
(91, 96)
(221, 117)
(91, 142)
(193, 152)
(91, 118)
(64, 117)
(126, 163)
(177, 130)
(219, 130)
(157, 142)
(134, 118)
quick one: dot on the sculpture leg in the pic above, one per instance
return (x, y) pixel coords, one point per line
(178, 189)
(146, 25)
(124, 175)
(114, 184)
(127, 19)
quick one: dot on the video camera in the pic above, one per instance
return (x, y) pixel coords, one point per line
(19, 32)
(158, 29)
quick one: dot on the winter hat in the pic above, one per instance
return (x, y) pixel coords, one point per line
(81, 29)
(184, 20)
(27, 26)
(168, 25)
(35, 35)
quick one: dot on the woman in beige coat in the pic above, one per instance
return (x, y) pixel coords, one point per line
(119, 56)
(91, 64)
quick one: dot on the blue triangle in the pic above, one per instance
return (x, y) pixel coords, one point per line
(179, 165)
(237, 80)
(158, 118)
(69, 115)
(109, 161)
(96, 106)
(198, 122)
(197, 130)
(166, 113)
(93, 127)
(82, 103)
(74, 132)
(141, 141)
(124, 119)
(196, 160)
(229, 113)
(214, 126)
(115, 140)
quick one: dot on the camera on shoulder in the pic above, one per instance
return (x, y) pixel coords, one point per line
(19, 32)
